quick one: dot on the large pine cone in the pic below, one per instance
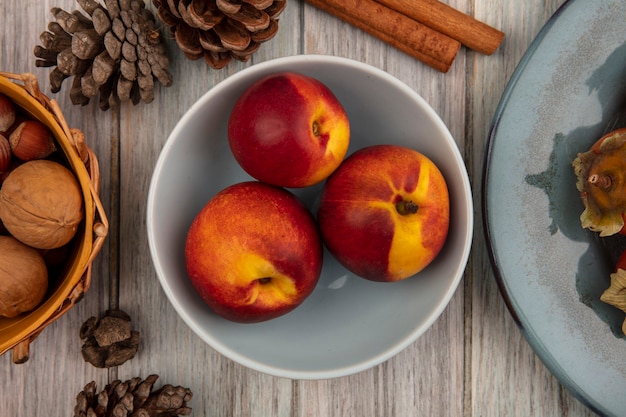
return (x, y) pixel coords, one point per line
(219, 30)
(133, 398)
(115, 50)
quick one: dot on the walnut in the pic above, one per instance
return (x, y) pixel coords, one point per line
(41, 204)
(23, 277)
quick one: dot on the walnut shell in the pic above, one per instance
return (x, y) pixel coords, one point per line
(5, 153)
(41, 204)
(7, 113)
(23, 277)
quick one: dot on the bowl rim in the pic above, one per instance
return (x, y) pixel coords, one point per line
(279, 64)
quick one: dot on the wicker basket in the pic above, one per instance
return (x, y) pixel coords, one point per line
(66, 289)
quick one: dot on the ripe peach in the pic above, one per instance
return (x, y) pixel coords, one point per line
(384, 213)
(253, 252)
(289, 130)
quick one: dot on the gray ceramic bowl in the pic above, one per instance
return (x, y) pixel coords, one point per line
(348, 324)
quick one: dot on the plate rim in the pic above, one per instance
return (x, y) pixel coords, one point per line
(543, 354)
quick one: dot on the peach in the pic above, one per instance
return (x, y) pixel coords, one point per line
(384, 213)
(253, 252)
(289, 130)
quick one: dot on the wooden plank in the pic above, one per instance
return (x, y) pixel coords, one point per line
(48, 382)
(221, 387)
(502, 362)
(427, 377)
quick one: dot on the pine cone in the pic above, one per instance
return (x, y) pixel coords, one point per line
(108, 341)
(133, 398)
(219, 30)
(114, 50)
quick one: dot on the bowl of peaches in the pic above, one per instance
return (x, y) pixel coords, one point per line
(304, 227)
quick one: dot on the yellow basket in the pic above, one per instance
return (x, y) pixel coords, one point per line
(69, 287)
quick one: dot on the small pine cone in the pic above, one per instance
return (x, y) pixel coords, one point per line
(133, 397)
(108, 341)
(220, 30)
(114, 50)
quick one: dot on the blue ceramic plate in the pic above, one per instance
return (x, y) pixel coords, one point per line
(568, 90)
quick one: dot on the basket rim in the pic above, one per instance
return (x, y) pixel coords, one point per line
(31, 323)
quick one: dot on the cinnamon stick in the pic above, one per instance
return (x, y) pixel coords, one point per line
(407, 35)
(471, 32)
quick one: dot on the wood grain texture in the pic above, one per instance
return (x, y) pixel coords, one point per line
(396, 29)
(473, 362)
(450, 21)
(501, 361)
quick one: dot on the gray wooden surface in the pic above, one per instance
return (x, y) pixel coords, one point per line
(472, 362)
